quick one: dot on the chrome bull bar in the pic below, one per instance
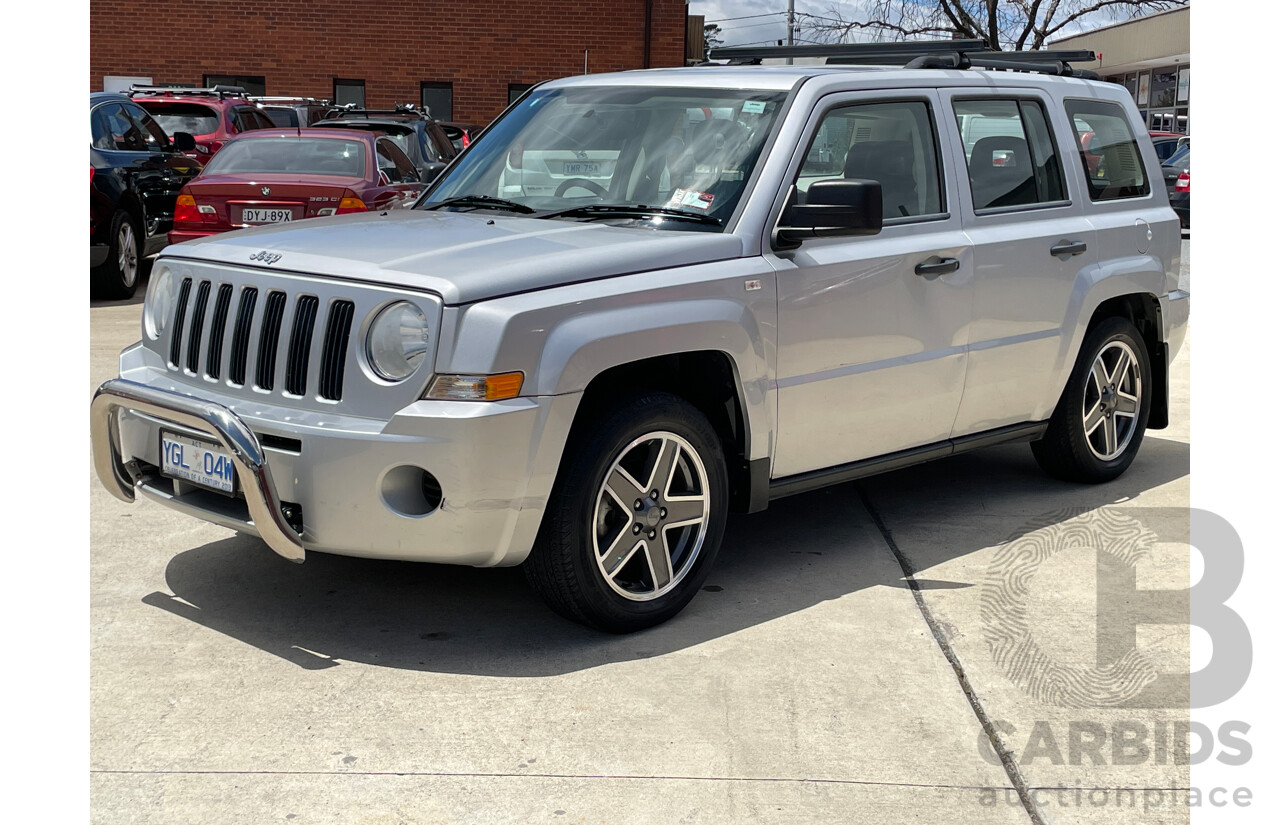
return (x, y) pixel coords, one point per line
(206, 417)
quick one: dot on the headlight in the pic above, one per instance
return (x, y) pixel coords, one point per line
(161, 297)
(397, 341)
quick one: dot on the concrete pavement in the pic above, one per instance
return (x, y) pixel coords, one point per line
(810, 682)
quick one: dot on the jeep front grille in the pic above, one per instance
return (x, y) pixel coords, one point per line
(256, 337)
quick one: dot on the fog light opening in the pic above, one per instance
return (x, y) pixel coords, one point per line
(410, 491)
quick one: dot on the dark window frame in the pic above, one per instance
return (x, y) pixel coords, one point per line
(438, 85)
(517, 90)
(244, 80)
(353, 82)
(938, 168)
(1019, 101)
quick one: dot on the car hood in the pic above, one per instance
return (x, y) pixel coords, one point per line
(461, 256)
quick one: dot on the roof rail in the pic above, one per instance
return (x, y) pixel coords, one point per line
(290, 98)
(220, 90)
(923, 54)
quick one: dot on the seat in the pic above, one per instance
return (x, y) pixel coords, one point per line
(889, 162)
(1001, 172)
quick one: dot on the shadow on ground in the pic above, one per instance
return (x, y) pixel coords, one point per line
(801, 552)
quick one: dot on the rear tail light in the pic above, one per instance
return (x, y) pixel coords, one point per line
(349, 205)
(210, 147)
(90, 174)
(466, 139)
(1184, 183)
(185, 211)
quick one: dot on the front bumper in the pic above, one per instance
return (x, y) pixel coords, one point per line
(352, 480)
(98, 254)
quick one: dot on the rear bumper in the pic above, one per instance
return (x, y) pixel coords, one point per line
(178, 236)
(1175, 311)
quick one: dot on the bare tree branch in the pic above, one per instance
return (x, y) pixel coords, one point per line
(1002, 24)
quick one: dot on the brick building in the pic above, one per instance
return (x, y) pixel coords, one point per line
(465, 60)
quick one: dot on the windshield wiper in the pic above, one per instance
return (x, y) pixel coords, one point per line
(483, 202)
(611, 210)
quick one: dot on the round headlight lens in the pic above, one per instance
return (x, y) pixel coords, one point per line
(397, 341)
(160, 302)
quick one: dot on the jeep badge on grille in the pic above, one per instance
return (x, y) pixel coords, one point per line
(265, 256)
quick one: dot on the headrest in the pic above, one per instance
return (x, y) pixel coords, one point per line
(878, 159)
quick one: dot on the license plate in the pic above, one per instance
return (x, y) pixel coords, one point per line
(582, 170)
(266, 215)
(199, 462)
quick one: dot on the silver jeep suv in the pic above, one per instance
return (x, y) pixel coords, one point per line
(643, 300)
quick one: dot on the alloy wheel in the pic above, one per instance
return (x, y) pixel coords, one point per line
(1112, 400)
(651, 516)
(127, 259)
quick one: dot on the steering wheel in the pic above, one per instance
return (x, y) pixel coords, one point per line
(596, 189)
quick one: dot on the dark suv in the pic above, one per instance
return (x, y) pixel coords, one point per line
(421, 137)
(211, 116)
(135, 174)
(286, 111)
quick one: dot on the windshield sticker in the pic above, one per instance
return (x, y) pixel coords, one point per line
(688, 197)
(753, 107)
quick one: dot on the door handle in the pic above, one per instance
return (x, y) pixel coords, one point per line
(936, 268)
(1065, 249)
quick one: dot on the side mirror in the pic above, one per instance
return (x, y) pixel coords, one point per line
(832, 208)
(184, 142)
(431, 171)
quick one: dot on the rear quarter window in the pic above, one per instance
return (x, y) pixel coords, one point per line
(1108, 151)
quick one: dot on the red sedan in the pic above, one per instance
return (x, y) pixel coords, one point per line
(280, 175)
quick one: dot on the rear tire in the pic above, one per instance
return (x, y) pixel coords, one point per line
(1099, 422)
(636, 516)
(118, 277)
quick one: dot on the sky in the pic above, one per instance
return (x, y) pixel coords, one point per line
(763, 22)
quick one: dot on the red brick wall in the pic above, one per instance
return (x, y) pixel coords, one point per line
(300, 46)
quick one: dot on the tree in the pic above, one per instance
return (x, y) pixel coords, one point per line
(710, 39)
(1003, 24)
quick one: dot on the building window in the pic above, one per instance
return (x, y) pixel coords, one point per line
(437, 98)
(254, 84)
(348, 91)
(514, 90)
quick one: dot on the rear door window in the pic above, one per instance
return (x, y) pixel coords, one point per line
(124, 134)
(1010, 153)
(1108, 150)
(152, 134)
(393, 163)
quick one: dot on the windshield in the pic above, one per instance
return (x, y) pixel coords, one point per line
(191, 118)
(690, 150)
(290, 155)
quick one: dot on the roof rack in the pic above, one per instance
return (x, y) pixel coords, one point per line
(922, 54)
(220, 90)
(290, 99)
(400, 109)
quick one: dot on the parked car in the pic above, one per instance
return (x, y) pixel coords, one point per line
(283, 175)
(293, 111)
(459, 134)
(1166, 143)
(135, 173)
(587, 380)
(1177, 180)
(422, 139)
(212, 116)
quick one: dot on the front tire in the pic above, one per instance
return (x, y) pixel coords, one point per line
(1099, 422)
(118, 277)
(636, 517)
